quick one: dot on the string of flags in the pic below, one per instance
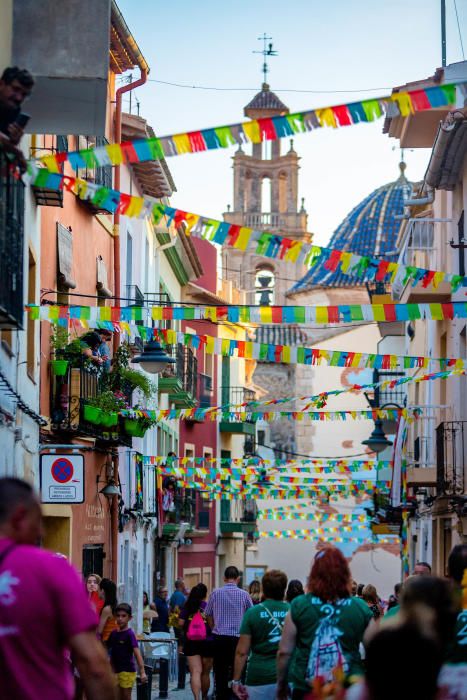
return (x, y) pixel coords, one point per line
(310, 535)
(399, 104)
(331, 314)
(316, 401)
(252, 462)
(222, 415)
(273, 478)
(268, 352)
(264, 243)
(297, 515)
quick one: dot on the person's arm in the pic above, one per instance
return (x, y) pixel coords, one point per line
(93, 665)
(105, 614)
(209, 611)
(140, 662)
(285, 651)
(241, 656)
(7, 145)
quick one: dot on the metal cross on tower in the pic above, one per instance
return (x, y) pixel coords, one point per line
(267, 51)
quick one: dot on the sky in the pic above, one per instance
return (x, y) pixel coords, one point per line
(339, 51)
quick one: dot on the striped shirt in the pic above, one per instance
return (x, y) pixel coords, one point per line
(227, 606)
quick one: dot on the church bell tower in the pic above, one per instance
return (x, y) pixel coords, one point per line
(265, 198)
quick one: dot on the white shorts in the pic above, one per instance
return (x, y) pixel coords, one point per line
(262, 692)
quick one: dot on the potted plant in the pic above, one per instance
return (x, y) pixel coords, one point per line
(110, 404)
(91, 412)
(58, 342)
(136, 427)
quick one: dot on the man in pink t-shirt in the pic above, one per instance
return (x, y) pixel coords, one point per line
(44, 612)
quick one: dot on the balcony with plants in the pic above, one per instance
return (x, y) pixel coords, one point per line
(86, 399)
(179, 380)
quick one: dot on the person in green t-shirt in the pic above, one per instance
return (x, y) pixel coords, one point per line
(323, 630)
(260, 633)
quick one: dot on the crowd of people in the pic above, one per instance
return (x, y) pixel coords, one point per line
(333, 638)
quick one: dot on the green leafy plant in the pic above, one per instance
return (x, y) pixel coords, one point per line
(58, 338)
(138, 380)
(109, 402)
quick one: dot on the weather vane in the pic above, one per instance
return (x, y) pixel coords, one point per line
(267, 51)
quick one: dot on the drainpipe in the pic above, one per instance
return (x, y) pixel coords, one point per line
(117, 139)
(117, 284)
(140, 61)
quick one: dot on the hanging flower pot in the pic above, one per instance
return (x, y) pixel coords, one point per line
(134, 427)
(109, 419)
(59, 367)
(92, 414)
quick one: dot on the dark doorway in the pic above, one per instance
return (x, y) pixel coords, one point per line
(93, 559)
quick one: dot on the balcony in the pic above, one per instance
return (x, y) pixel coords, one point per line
(179, 510)
(44, 196)
(179, 381)
(204, 397)
(101, 176)
(451, 455)
(71, 393)
(418, 249)
(245, 524)
(275, 221)
(231, 423)
(11, 247)
(421, 449)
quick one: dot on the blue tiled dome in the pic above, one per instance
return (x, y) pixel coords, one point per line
(371, 228)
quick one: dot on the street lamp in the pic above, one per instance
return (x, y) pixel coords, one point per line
(377, 442)
(110, 490)
(153, 359)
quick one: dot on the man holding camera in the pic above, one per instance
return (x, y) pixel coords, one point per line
(15, 86)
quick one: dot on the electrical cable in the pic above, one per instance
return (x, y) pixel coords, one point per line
(255, 89)
(459, 30)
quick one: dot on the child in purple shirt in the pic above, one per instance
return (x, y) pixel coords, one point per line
(123, 649)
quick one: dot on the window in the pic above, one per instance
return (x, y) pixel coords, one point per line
(266, 150)
(31, 326)
(461, 241)
(129, 258)
(204, 504)
(282, 192)
(266, 195)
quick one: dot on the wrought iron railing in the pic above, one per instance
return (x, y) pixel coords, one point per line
(233, 396)
(11, 245)
(185, 368)
(451, 456)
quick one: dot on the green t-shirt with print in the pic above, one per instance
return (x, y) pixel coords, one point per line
(263, 623)
(348, 616)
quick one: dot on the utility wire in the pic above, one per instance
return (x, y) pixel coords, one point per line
(255, 89)
(459, 30)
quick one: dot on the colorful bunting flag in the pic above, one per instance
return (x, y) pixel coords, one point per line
(264, 243)
(257, 130)
(328, 315)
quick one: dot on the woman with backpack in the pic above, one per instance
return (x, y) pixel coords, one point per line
(322, 633)
(198, 646)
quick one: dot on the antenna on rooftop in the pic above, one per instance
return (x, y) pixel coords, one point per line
(267, 51)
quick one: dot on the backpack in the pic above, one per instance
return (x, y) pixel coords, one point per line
(326, 655)
(196, 631)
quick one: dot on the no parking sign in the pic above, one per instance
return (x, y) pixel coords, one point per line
(62, 478)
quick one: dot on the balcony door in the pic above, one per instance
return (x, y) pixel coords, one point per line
(225, 398)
